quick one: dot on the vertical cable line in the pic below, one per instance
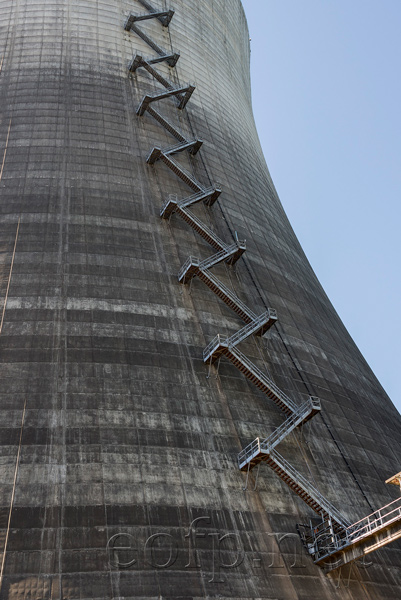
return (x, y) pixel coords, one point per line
(9, 276)
(12, 495)
(346, 462)
(5, 149)
(23, 414)
(17, 462)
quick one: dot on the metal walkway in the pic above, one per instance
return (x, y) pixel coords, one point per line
(164, 17)
(334, 537)
(301, 486)
(258, 378)
(224, 293)
(183, 174)
(183, 94)
(331, 548)
(208, 234)
(172, 205)
(260, 450)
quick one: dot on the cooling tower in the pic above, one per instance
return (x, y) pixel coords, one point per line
(183, 413)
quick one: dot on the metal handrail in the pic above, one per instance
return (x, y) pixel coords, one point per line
(229, 293)
(323, 541)
(148, 15)
(249, 452)
(205, 228)
(194, 197)
(310, 489)
(165, 123)
(378, 511)
(218, 340)
(181, 169)
(148, 6)
(183, 145)
(149, 98)
(245, 331)
(158, 76)
(241, 334)
(281, 395)
(315, 401)
(288, 425)
(171, 198)
(216, 258)
(378, 516)
(191, 260)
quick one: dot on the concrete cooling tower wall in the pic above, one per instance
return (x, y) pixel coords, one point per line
(183, 414)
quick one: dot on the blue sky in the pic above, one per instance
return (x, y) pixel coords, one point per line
(326, 91)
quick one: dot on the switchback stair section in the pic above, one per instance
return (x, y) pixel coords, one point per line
(335, 538)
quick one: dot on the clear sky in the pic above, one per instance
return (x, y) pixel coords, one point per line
(326, 81)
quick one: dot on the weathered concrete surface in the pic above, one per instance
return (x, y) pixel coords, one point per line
(123, 432)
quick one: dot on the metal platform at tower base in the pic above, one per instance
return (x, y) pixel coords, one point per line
(332, 549)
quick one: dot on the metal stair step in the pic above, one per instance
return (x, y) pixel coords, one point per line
(164, 20)
(166, 124)
(180, 93)
(163, 16)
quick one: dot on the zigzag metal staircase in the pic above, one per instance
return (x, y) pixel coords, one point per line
(318, 541)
